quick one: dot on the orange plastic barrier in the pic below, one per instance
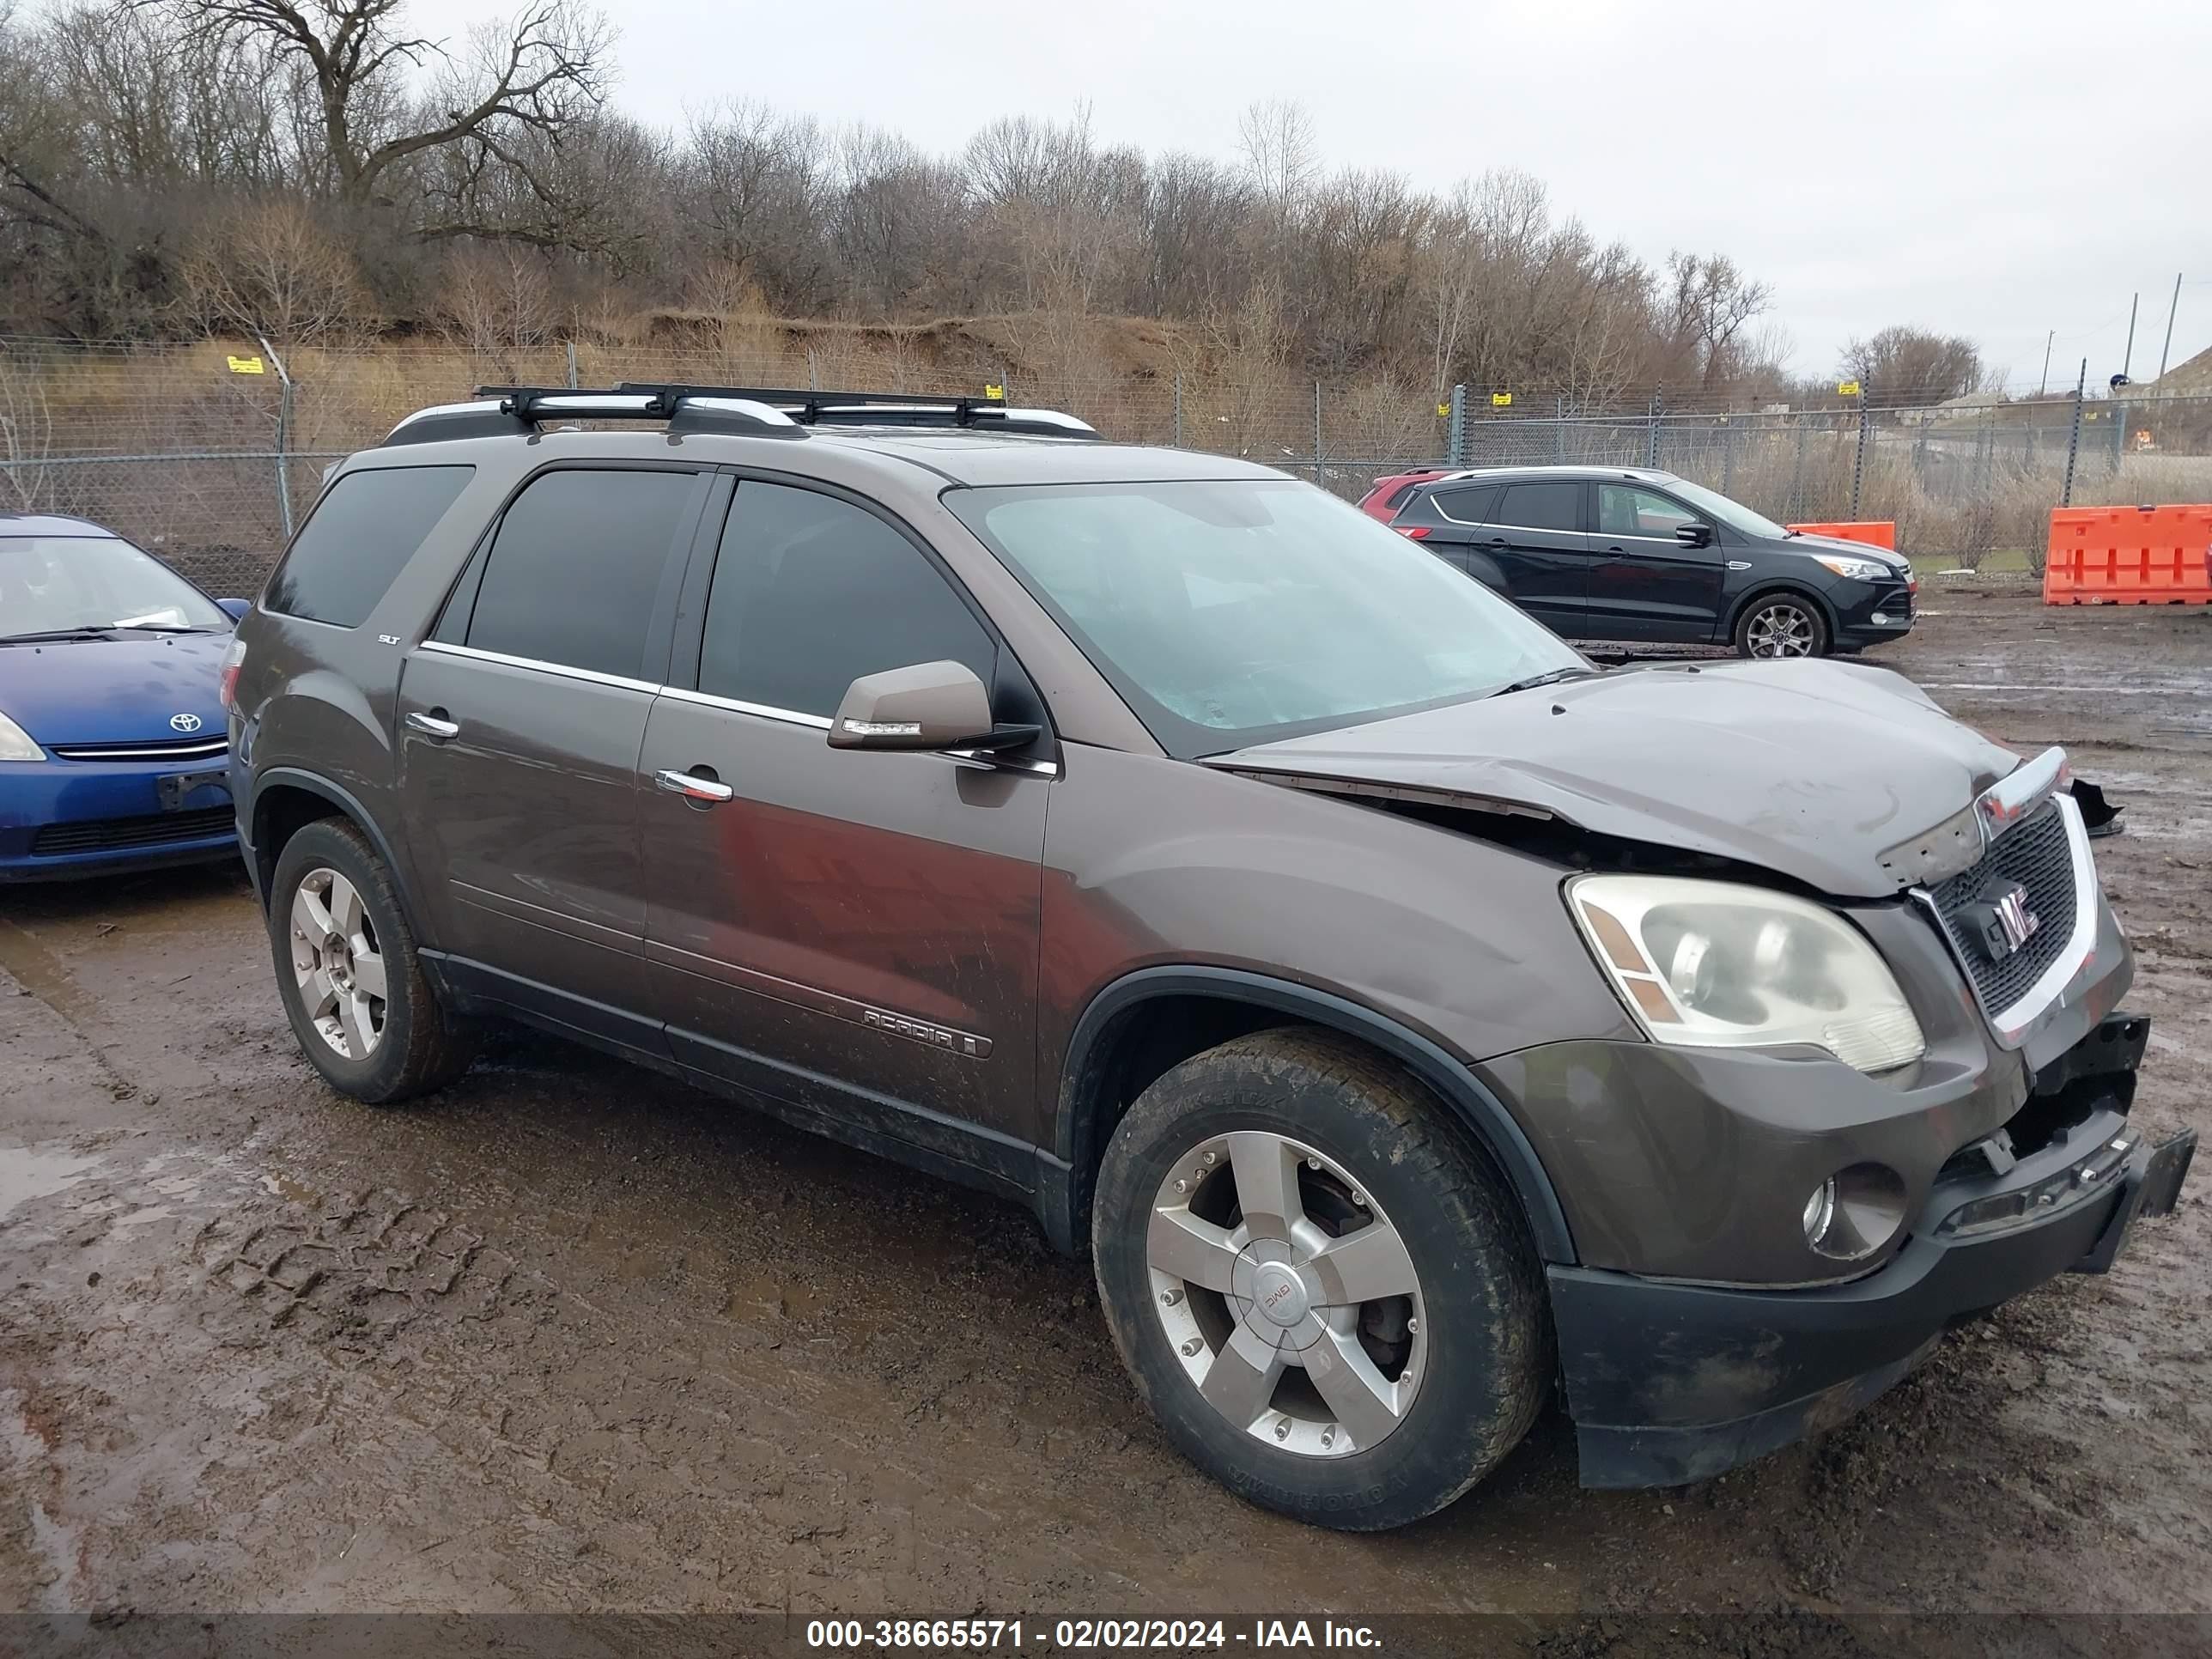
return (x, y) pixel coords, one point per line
(2130, 556)
(1874, 533)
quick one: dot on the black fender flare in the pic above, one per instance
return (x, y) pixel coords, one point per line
(1068, 1172)
(314, 783)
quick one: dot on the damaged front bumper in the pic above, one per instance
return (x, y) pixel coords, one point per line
(1670, 1383)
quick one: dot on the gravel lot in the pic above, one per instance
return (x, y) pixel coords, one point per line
(574, 1337)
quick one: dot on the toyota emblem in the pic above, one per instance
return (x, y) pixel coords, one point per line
(184, 722)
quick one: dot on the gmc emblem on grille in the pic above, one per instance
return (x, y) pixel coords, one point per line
(1999, 922)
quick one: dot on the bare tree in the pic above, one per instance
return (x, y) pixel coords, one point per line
(269, 270)
(1901, 365)
(496, 299)
(539, 77)
(1708, 301)
(1277, 138)
(26, 438)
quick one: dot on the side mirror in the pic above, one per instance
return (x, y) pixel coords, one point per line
(930, 705)
(1694, 534)
(236, 609)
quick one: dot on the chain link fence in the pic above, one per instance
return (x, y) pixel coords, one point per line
(189, 452)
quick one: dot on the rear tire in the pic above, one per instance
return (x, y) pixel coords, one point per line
(1372, 1410)
(1781, 627)
(349, 975)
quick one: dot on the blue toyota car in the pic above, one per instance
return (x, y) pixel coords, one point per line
(113, 747)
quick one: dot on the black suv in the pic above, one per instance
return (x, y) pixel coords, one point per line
(1608, 553)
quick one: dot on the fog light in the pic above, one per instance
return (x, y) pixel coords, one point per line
(1854, 1212)
(1879, 619)
(1820, 1212)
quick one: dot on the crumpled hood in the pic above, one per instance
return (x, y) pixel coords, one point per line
(124, 690)
(1814, 769)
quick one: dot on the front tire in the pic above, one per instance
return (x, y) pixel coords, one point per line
(1322, 1291)
(349, 974)
(1780, 627)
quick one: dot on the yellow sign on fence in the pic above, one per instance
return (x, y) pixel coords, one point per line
(997, 391)
(1501, 400)
(1847, 388)
(1443, 411)
(245, 366)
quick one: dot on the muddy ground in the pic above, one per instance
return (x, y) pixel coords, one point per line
(575, 1337)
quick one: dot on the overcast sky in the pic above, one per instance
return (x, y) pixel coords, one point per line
(1992, 170)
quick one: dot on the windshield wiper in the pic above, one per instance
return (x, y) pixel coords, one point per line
(161, 627)
(1577, 671)
(82, 631)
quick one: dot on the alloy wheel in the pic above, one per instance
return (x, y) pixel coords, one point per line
(339, 965)
(1290, 1301)
(1781, 629)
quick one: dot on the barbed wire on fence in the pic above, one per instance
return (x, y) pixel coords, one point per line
(211, 466)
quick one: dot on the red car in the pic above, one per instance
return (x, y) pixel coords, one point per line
(1390, 494)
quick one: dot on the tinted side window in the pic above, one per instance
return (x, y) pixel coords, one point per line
(358, 539)
(810, 592)
(1542, 506)
(576, 565)
(1468, 505)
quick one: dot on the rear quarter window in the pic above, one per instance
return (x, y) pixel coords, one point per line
(358, 539)
(1475, 505)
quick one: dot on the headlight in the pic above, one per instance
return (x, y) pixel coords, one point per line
(1711, 964)
(16, 742)
(1859, 570)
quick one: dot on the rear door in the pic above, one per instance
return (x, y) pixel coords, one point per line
(1645, 583)
(854, 932)
(1535, 543)
(521, 719)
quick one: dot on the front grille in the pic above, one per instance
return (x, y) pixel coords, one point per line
(1895, 602)
(169, 749)
(116, 835)
(2036, 853)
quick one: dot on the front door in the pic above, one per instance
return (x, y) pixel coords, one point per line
(853, 932)
(1534, 544)
(1645, 583)
(520, 719)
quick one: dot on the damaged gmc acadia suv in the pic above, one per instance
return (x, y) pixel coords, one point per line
(1406, 1015)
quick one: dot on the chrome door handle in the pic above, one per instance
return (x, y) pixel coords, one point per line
(708, 790)
(431, 726)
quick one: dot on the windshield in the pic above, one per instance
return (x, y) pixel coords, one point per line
(1735, 515)
(1233, 612)
(51, 584)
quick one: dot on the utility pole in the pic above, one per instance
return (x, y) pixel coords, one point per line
(2128, 360)
(2044, 384)
(2170, 310)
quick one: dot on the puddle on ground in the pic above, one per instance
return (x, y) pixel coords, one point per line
(277, 1186)
(26, 1174)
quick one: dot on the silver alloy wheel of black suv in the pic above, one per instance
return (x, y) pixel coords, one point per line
(1780, 626)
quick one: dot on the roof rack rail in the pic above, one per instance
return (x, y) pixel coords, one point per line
(812, 407)
(750, 411)
(512, 411)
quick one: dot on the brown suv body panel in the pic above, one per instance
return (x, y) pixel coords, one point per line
(941, 956)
